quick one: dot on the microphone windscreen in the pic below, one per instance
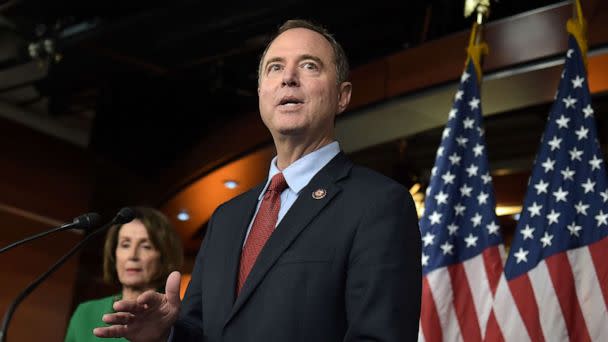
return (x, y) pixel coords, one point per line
(125, 215)
(88, 221)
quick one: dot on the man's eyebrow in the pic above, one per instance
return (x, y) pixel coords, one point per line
(301, 58)
(314, 58)
(272, 60)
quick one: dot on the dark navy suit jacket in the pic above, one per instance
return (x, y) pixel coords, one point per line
(345, 267)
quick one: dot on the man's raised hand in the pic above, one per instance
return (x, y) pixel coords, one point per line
(148, 318)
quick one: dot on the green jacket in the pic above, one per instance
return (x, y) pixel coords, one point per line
(87, 317)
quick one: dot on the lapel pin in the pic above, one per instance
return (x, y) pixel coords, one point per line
(319, 193)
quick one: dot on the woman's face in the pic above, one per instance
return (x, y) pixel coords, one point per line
(137, 259)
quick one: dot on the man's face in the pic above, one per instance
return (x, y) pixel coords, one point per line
(298, 94)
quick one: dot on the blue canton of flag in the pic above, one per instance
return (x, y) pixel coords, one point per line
(565, 205)
(459, 220)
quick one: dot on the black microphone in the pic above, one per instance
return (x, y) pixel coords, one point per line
(87, 222)
(125, 215)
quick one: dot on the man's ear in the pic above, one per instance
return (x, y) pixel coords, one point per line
(344, 96)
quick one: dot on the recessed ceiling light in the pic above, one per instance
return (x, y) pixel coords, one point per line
(183, 215)
(230, 184)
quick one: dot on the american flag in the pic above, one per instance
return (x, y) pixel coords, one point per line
(557, 270)
(462, 245)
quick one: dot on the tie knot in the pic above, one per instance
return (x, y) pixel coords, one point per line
(278, 183)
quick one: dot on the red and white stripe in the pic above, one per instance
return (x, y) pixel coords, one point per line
(457, 300)
(564, 298)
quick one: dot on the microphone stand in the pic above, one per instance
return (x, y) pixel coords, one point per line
(86, 221)
(125, 215)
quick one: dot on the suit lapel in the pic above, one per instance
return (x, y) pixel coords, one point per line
(297, 218)
(234, 243)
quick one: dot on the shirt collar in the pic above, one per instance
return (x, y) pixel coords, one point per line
(300, 172)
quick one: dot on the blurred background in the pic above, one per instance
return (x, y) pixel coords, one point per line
(105, 104)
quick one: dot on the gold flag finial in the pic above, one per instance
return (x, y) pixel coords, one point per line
(477, 48)
(482, 7)
(577, 26)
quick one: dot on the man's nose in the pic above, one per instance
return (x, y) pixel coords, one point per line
(291, 77)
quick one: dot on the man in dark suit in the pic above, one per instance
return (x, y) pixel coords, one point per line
(322, 251)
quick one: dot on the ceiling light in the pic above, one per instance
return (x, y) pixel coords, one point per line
(230, 184)
(183, 215)
(507, 210)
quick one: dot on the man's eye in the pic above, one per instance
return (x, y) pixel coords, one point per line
(310, 66)
(274, 67)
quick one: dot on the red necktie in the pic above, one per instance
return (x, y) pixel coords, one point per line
(263, 225)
